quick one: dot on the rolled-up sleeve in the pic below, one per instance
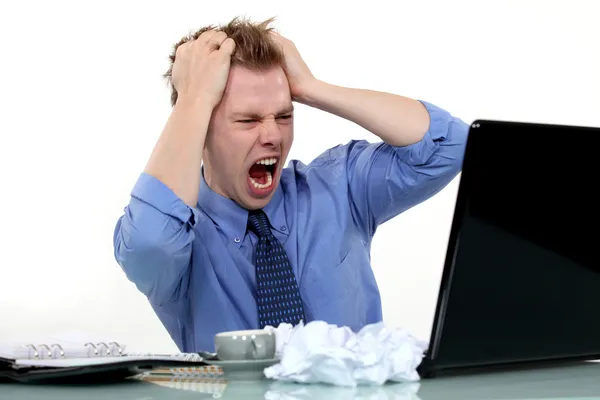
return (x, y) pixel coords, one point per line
(386, 180)
(153, 240)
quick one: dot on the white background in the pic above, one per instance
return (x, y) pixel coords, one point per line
(82, 103)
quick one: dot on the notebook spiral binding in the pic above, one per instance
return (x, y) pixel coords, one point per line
(56, 351)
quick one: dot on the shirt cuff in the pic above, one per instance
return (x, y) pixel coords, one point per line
(152, 191)
(419, 153)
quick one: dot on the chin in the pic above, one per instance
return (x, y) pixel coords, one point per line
(255, 205)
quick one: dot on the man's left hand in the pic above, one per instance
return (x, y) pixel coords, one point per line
(298, 74)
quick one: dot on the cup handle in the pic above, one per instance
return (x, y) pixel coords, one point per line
(259, 351)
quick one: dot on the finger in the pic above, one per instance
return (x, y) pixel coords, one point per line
(227, 47)
(205, 37)
(181, 49)
(277, 38)
(217, 39)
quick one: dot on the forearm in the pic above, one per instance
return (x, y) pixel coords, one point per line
(177, 157)
(397, 120)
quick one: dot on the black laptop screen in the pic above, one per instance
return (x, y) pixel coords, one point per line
(524, 281)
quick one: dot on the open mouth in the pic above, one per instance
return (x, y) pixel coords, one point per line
(262, 175)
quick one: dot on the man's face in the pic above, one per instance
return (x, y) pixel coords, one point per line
(250, 136)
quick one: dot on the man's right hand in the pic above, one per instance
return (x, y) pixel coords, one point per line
(201, 67)
(199, 74)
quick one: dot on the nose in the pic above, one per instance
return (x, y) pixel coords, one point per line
(270, 134)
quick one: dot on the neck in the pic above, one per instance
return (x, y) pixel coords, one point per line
(208, 178)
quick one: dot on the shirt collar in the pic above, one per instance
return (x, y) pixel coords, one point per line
(232, 219)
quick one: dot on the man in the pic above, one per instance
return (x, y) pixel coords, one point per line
(220, 236)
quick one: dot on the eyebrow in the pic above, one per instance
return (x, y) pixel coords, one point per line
(252, 115)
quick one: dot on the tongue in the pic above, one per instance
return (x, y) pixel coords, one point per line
(259, 173)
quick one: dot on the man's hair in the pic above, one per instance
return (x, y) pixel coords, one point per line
(254, 47)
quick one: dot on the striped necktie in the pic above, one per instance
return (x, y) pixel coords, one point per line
(278, 296)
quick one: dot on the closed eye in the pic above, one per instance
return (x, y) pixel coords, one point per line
(248, 121)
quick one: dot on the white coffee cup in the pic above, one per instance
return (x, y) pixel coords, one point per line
(246, 345)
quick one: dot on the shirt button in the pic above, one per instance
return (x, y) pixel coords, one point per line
(283, 228)
(237, 239)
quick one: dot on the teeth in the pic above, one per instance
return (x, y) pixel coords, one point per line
(267, 161)
(263, 185)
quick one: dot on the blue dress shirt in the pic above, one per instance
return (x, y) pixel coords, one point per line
(194, 264)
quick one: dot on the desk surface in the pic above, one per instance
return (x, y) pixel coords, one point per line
(570, 382)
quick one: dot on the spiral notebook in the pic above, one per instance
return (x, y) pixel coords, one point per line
(96, 360)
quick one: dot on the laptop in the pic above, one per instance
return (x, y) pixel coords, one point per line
(521, 280)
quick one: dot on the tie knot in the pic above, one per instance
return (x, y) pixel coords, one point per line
(259, 223)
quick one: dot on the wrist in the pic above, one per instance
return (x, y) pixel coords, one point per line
(310, 93)
(197, 106)
(194, 102)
